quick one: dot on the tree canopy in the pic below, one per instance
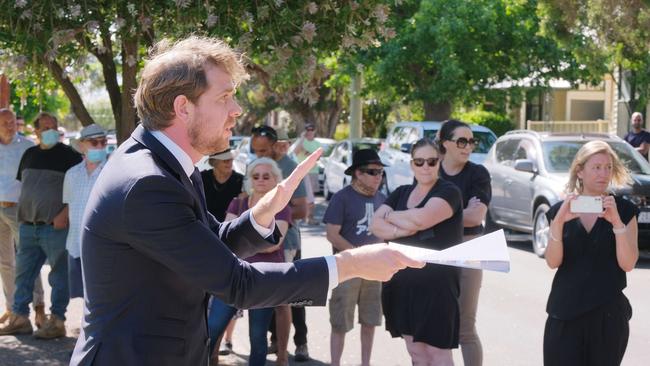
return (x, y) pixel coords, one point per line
(447, 52)
(285, 42)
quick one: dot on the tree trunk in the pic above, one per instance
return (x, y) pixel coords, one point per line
(129, 84)
(437, 111)
(77, 104)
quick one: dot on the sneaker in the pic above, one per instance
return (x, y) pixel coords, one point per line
(39, 315)
(302, 353)
(53, 328)
(273, 348)
(17, 324)
(225, 348)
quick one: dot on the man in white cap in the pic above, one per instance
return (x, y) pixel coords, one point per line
(221, 183)
(78, 183)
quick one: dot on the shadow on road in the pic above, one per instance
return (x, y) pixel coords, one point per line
(27, 350)
(241, 359)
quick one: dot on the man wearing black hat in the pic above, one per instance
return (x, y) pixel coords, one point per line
(348, 218)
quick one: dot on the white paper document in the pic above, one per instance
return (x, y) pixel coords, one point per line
(488, 252)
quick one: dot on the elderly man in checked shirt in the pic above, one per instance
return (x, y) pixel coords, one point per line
(79, 181)
(12, 147)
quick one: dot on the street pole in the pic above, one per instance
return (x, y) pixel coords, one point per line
(355, 104)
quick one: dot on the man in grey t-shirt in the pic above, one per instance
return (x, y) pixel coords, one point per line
(348, 219)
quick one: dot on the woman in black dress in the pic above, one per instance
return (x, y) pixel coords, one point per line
(457, 142)
(421, 305)
(588, 313)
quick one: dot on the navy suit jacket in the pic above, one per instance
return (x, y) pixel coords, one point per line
(152, 255)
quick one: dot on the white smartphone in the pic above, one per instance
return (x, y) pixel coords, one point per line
(587, 204)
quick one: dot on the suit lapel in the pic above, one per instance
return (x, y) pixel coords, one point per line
(141, 135)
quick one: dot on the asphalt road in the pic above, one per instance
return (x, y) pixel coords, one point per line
(510, 320)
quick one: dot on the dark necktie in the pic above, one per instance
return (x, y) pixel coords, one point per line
(197, 182)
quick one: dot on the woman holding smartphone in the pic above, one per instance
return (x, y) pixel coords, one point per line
(421, 306)
(588, 313)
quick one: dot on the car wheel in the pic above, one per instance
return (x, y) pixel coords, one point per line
(540, 230)
(326, 189)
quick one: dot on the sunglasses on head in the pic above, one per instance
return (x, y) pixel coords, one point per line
(265, 176)
(462, 142)
(265, 131)
(370, 171)
(420, 161)
(97, 142)
(309, 129)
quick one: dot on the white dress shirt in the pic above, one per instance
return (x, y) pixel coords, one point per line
(188, 168)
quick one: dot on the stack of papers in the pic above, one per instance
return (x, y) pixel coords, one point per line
(488, 252)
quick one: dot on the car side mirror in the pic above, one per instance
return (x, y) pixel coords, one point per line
(525, 165)
(405, 148)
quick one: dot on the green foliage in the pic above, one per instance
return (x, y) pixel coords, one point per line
(605, 36)
(342, 131)
(449, 52)
(29, 98)
(498, 123)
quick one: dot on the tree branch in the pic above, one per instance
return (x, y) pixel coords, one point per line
(78, 107)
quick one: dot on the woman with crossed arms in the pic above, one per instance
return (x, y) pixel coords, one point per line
(588, 313)
(421, 305)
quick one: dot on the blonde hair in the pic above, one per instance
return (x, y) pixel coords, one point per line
(175, 69)
(620, 174)
(248, 185)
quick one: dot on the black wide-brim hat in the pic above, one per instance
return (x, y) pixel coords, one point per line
(363, 157)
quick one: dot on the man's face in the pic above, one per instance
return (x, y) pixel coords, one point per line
(262, 146)
(7, 125)
(214, 114)
(637, 121)
(45, 123)
(20, 124)
(281, 148)
(310, 133)
(92, 143)
(366, 177)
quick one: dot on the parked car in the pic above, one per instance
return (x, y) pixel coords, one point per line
(529, 172)
(243, 155)
(341, 159)
(396, 150)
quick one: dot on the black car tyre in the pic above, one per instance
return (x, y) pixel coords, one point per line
(540, 230)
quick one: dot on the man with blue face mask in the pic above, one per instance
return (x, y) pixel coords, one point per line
(43, 229)
(79, 181)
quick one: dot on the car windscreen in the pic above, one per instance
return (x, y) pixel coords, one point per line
(486, 139)
(558, 156)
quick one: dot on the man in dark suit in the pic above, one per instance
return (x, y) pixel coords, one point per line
(151, 253)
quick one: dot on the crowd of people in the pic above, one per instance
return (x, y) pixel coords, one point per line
(47, 213)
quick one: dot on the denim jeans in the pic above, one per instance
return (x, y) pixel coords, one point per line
(258, 323)
(37, 244)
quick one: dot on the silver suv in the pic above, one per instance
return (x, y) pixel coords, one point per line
(529, 172)
(396, 150)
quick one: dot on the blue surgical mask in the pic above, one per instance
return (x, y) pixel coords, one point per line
(96, 155)
(50, 137)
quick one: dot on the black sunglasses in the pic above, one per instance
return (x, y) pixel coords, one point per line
(373, 172)
(265, 131)
(420, 161)
(462, 142)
